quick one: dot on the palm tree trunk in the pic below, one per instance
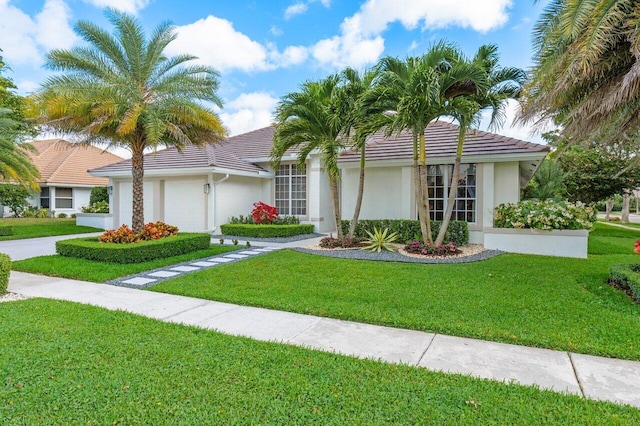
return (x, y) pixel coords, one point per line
(453, 190)
(356, 211)
(424, 215)
(333, 185)
(137, 170)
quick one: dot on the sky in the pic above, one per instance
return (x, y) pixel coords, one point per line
(265, 49)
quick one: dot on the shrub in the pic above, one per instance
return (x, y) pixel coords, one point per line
(5, 270)
(280, 220)
(263, 213)
(62, 215)
(99, 207)
(266, 231)
(6, 231)
(73, 216)
(626, 278)
(125, 235)
(14, 197)
(378, 240)
(546, 215)
(99, 194)
(419, 247)
(409, 230)
(332, 243)
(92, 249)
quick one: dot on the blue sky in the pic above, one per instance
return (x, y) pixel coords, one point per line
(265, 49)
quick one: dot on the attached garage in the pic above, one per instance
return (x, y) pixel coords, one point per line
(185, 203)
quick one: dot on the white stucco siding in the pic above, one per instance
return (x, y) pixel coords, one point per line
(81, 197)
(185, 203)
(236, 195)
(506, 183)
(386, 193)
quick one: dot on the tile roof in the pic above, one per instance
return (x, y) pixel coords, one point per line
(442, 139)
(62, 162)
(238, 152)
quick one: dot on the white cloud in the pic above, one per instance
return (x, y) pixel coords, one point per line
(27, 86)
(360, 42)
(295, 9)
(129, 6)
(509, 129)
(249, 111)
(275, 31)
(217, 43)
(24, 39)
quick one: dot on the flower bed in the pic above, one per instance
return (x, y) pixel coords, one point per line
(266, 231)
(547, 215)
(409, 230)
(92, 249)
(419, 247)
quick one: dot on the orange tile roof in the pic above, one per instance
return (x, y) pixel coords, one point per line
(62, 162)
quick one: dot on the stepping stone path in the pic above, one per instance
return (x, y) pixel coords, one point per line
(156, 276)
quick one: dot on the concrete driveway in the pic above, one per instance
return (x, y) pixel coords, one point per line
(31, 247)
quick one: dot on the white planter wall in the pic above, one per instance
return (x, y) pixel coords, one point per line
(96, 220)
(569, 243)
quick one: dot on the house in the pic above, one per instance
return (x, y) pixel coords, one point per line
(65, 185)
(200, 188)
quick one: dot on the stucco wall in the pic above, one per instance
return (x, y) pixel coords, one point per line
(507, 182)
(123, 199)
(236, 195)
(384, 196)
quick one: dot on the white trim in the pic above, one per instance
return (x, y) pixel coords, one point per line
(494, 158)
(184, 172)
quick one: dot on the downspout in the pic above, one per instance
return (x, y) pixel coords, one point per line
(215, 201)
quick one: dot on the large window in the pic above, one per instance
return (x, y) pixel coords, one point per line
(64, 198)
(44, 197)
(439, 180)
(291, 190)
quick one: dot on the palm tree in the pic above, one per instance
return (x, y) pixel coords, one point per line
(122, 90)
(586, 75)
(15, 164)
(313, 119)
(415, 92)
(501, 84)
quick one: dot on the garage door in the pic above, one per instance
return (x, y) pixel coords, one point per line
(184, 204)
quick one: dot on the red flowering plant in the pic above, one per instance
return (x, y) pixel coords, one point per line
(263, 213)
(418, 247)
(637, 246)
(151, 231)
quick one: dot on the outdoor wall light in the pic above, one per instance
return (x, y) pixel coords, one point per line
(110, 190)
(207, 187)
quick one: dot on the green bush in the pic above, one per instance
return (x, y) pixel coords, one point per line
(6, 231)
(626, 278)
(409, 230)
(99, 207)
(547, 215)
(92, 249)
(266, 231)
(15, 197)
(99, 194)
(280, 220)
(5, 269)
(62, 215)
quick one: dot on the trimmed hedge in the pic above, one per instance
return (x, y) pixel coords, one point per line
(5, 270)
(92, 249)
(626, 278)
(6, 231)
(266, 231)
(409, 230)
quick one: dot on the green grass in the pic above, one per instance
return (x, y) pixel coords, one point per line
(64, 363)
(630, 224)
(92, 270)
(46, 227)
(556, 303)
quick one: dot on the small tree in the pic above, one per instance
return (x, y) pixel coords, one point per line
(98, 194)
(15, 197)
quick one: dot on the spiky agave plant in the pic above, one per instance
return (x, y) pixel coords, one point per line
(378, 240)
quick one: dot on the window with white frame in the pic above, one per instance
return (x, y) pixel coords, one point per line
(438, 181)
(291, 190)
(44, 197)
(64, 198)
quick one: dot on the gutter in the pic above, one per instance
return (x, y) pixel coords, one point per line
(215, 200)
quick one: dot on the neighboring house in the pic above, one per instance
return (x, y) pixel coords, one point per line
(200, 188)
(65, 185)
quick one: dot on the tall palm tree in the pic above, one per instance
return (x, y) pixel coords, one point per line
(587, 68)
(415, 92)
(15, 164)
(501, 84)
(313, 119)
(121, 89)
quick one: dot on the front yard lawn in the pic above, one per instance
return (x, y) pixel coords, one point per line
(42, 227)
(64, 363)
(99, 272)
(556, 303)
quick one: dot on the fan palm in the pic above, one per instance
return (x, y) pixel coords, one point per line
(415, 92)
(15, 164)
(123, 91)
(500, 84)
(313, 119)
(587, 68)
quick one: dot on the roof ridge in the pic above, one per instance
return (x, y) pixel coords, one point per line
(74, 149)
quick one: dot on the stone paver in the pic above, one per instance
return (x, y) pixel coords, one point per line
(163, 274)
(236, 256)
(185, 268)
(139, 281)
(204, 264)
(220, 260)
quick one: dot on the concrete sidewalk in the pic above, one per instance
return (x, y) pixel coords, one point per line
(589, 376)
